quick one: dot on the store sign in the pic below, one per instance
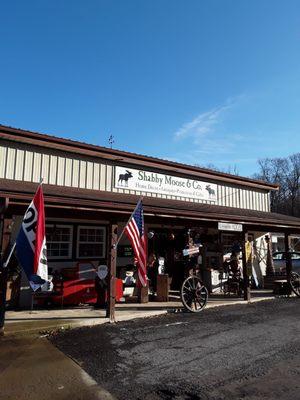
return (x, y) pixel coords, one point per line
(152, 182)
(225, 226)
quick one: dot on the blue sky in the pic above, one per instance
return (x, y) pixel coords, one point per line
(201, 82)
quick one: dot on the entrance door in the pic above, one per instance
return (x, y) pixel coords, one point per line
(168, 244)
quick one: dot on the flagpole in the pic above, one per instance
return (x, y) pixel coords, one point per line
(5, 264)
(116, 244)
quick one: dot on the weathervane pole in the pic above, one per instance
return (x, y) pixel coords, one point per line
(111, 140)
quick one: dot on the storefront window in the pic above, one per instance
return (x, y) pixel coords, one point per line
(227, 241)
(90, 242)
(59, 241)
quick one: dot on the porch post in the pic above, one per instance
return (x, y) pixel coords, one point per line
(143, 292)
(4, 243)
(246, 282)
(288, 261)
(112, 261)
(270, 271)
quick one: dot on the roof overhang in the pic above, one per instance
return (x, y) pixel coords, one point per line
(57, 197)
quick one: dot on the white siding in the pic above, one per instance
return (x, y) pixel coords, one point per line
(28, 166)
(53, 170)
(10, 163)
(61, 169)
(109, 178)
(96, 179)
(82, 174)
(75, 173)
(3, 151)
(19, 165)
(45, 167)
(103, 177)
(68, 172)
(36, 173)
(89, 175)
(23, 163)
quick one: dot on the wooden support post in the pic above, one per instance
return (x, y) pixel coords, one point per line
(270, 271)
(288, 261)
(247, 295)
(112, 262)
(143, 292)
(4, 243)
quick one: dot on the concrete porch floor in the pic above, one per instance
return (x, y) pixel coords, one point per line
(18, 322)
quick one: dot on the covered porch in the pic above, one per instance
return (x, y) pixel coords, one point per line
(163, 217)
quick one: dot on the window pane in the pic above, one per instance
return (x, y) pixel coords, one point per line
(90, 242)
(90, 250)
(59, 241)
(64, 252)
(91, 235)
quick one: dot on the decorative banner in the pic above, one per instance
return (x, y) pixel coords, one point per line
(225, 226)
(249, 257)
(248, 251)
(31, 242)
(153, 182)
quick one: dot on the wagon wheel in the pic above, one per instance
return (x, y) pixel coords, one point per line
(193, 294)
(295, 283)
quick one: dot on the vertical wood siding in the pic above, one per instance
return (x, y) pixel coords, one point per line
(57, 169)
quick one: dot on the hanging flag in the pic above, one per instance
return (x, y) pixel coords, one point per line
(31, 242)
(136, 234)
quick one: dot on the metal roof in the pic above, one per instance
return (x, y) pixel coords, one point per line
(124, 157)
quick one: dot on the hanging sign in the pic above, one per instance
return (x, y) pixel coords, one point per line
(153, 182)
(226, 226)
(190, 251)
(102, 271)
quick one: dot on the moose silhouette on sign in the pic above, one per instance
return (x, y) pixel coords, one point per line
(124, 178)
(211, 192)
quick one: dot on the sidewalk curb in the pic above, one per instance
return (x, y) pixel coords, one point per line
(12, 327)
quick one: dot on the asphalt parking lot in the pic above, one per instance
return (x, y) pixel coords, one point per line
(233, 352)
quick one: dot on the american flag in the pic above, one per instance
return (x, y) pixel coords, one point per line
(136, 234)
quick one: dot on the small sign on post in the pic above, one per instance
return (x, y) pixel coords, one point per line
(227, 226)
(190, 251)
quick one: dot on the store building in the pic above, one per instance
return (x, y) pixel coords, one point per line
(89, 188)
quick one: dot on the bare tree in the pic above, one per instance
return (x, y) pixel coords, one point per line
(293, 182)
(286, 173)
